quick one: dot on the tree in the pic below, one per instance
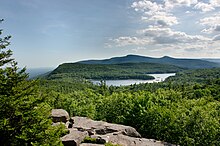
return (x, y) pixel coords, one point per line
(24, 112)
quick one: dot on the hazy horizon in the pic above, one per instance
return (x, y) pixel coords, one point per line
(48, 33)
(53, 67)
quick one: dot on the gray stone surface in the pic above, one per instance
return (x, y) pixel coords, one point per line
(124, 140)
(58, 123)
(102, 128)
(74, 138)
(103, 132)
(90, 144)
(59, 115)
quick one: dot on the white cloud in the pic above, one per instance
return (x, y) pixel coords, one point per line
(209, 6)
(139, 49)
(216, 38)
(161, 38)
(215, 3)
(210, 21)
(161, 19)
(146, 5)
(169, 36)
(192, 50)
(205, 7)
(159, 35)
(170, 4)
(155, 13)
(213, 23)
(212, 29)
(127, 41)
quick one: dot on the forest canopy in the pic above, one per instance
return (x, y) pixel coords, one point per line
(182, 110)
(24, 110)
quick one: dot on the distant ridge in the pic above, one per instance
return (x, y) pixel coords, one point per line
(185, 63)
(212, 60)
(37, 72)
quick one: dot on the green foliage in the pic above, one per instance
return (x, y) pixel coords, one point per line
(196, 76)
(182, 110)
(110, 71)
(88, 139)
(24, 111)
(111, 144)
(177, 112)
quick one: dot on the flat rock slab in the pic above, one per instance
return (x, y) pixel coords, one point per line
(102, 128)
(103, 132)
(90, 144)
(74, 138)
(124, 140)
(59, 115)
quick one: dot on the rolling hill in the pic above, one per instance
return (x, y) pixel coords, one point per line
(126, 67)
(213, 60)
(111, 71)
(184, 63)
(35, 72)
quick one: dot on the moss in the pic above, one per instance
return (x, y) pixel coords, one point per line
(111, 144)
(88, 139)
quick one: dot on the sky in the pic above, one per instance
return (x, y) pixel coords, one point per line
(46, 33)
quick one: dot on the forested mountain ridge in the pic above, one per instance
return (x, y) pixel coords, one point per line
(36, 72)
(195, 76)
(111, 71)
(212, 60)
(127, 67)
(185, 63)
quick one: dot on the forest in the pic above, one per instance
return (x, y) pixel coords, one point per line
(183, 110)
(111, 71)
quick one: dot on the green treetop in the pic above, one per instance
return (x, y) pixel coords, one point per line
(24, 113)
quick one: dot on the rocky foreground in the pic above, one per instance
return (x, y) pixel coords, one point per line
(87, 132)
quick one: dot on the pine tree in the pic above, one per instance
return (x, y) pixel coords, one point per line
(24, 112)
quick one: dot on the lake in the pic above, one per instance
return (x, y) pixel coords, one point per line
(158, 78)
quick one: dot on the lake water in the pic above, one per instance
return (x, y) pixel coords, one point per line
(158, 78)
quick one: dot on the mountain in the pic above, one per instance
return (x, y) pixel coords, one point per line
(111, 71)
(184, 63)
(212, 60)
(34, 72)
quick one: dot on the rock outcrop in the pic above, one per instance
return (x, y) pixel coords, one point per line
(59, 115)
(74, 138)
(97, 133)
(102, 128)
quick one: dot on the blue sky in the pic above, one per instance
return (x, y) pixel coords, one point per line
(47, 33)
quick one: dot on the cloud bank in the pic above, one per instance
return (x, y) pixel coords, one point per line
(165, 29)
